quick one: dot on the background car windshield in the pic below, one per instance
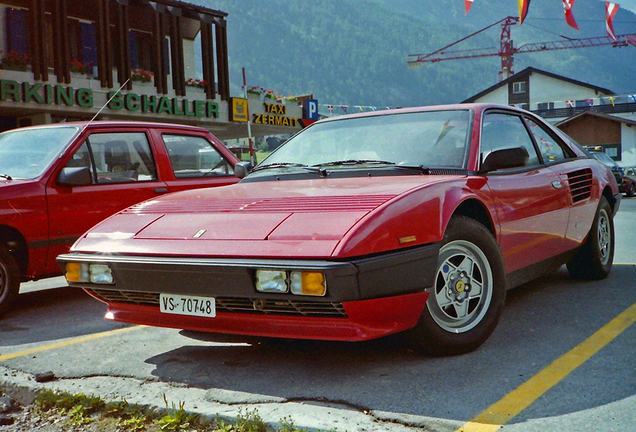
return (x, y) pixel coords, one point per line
(26, 153)
(433, 139)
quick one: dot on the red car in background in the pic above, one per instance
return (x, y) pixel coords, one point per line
(57, 181)
(361, 226)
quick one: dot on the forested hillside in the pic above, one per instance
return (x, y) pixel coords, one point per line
(354, 52)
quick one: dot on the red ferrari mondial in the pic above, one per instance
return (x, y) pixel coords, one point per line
(361, 226)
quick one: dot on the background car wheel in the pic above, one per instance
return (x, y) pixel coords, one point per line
(9, 279)
(594, 260)
(468, 296)
(631, 190)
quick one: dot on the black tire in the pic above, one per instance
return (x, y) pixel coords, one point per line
(631, 190)
(463, 309)
(594, 260)
(9, 280)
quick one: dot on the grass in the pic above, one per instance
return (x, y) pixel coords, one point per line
(80, 409)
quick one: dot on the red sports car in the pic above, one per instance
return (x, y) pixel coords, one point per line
(361, 226)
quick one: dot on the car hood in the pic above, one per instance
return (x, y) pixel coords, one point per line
(304, 218)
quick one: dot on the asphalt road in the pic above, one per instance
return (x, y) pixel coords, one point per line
(512, 375)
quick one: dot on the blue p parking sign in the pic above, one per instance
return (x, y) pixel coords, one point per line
(310, 109)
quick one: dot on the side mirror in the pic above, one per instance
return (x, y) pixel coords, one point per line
(504, 159)
(75, 176)
(242, 169)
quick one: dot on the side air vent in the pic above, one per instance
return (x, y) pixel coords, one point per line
(580, 184)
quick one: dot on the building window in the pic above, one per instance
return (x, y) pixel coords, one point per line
(140, 50)
(83, 40)
(545, 106)
(16, 30)
(519, 87)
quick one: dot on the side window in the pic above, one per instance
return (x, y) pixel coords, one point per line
(193, 156)
(548, 146)
(503, 131)
(117, 157)
(82, 159)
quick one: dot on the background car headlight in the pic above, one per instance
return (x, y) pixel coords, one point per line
(271, 281)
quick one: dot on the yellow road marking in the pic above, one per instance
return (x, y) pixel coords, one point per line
(501, 412)
(66, 343)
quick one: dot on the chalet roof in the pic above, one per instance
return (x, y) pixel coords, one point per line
(529, 71)
(599, 115)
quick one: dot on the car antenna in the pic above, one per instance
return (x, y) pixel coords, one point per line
(106, 103)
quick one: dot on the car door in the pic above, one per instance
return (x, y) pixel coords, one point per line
(577, 180)
(531, 202)
(123, 172)
(195, 160)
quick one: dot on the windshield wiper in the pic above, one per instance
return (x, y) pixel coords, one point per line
(414, 167)
(315, 169)
(6, 176)
(354, 162)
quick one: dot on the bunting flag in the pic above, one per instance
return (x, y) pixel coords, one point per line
(569, 17)
(344, 108)
(446, 128)
(523, 9)
(467, 5)
(610, 12)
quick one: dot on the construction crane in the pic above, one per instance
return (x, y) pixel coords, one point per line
(507, 50)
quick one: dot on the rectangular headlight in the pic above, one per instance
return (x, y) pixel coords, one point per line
(100, 274)
(274, 281)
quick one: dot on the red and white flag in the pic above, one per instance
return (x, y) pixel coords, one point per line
(467, 5)
(569, 17)
(610, 12)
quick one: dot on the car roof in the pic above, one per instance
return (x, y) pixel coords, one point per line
(478, 107)
(115, 124)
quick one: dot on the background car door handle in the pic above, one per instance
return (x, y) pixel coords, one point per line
(161, 190)
(557, 184)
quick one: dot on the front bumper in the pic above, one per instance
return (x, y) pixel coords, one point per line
(365, 319)
(371, 296)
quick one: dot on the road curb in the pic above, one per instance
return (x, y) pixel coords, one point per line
(313, 416)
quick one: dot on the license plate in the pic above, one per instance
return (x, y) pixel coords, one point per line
(187, 305)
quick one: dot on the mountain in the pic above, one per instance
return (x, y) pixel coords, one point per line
(354, 52)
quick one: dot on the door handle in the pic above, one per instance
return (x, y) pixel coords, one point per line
(161, 190)
(557, 184)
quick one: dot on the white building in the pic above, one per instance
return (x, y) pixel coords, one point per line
(592, 115)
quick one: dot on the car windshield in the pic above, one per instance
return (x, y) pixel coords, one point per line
(604, 158)
(431, 139)
(26, 153)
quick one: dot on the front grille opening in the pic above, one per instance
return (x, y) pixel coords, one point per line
(235, 304)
